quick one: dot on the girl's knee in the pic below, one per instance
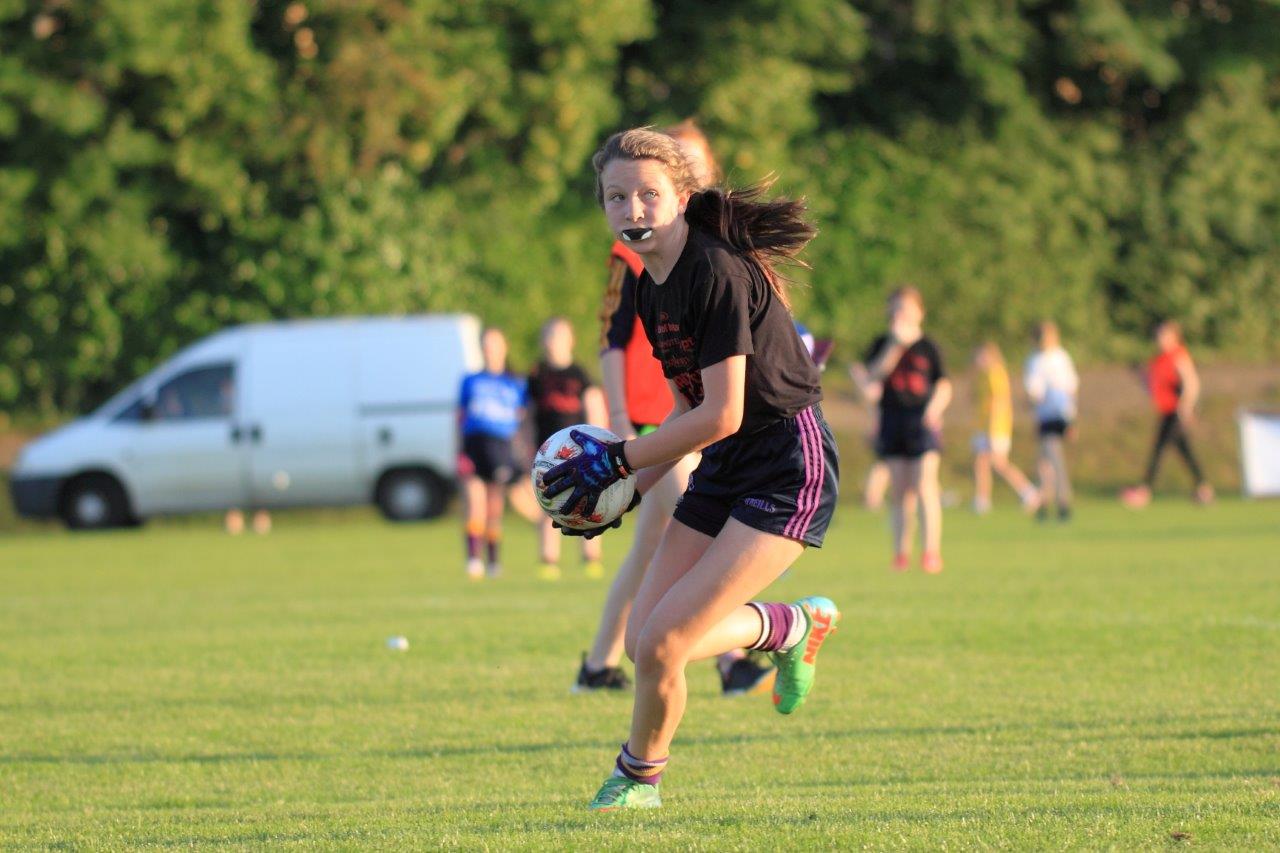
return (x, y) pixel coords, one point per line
(658, 651)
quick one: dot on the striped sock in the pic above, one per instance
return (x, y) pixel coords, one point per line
(642, 770)
(781, 626)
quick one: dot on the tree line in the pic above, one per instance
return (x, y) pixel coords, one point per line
(170, 167)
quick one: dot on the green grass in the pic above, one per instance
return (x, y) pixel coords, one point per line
(1115, 682)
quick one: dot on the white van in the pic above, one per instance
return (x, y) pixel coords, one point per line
(299, 413)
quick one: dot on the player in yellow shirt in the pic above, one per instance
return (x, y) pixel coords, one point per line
(994, 437)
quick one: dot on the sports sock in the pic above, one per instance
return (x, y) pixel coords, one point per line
(473, 542)
(493, 542)
(782, 626)
(642, 770)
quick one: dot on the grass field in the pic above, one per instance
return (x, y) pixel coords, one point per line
(1115, 682)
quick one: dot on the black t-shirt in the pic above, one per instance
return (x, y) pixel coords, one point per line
(555, 394)
(910, 383)
(715, 304)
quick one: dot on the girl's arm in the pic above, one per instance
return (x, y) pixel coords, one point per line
(938, 404)
(884, 363)
(871, 391)
(718, 416)
(595, 409)
(614, 375)
(1190, 387)
(1033, 380)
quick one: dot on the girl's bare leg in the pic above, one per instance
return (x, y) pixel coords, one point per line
(651, 519)
(692, 605)
(495, 500)
(902, 508)
(982, 464)
(926, 470)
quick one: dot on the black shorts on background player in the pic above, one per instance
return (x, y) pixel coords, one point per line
(1055, 426)
(904, 434)
(907, 391)
(492, 458)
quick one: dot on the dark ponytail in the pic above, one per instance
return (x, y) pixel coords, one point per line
(768, 231)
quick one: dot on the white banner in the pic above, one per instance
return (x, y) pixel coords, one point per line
(1260, 453)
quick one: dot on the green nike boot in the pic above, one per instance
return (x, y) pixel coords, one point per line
(796, 666)
(619, 792)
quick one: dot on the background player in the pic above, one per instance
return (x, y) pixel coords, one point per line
(490, 408)
(914, 394)
(561, 395)
(1052, 384)
(994, 438)
(747, 397)
(1174, 385)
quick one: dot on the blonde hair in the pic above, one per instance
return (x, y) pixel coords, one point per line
(688, 132)
(766, 231)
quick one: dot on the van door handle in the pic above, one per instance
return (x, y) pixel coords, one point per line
(235, 435)
(385, 436)
(255, 434)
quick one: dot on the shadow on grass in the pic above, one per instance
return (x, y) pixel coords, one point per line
(1087, 731)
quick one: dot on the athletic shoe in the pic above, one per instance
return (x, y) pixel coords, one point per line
(981, 507)
(594, 569)
(796, 667)
(1135, 497)
(1042, 513)
(1064, 513)
(619, 792)
(609, 678)
(493, 570)
(475, 569)
(931, 563)
(901, 562)
(746, 676)
(1204, 494)
(1030, 501)
(548, 572)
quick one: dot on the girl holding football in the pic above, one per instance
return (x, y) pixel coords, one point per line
(765, 488)
(639, 400)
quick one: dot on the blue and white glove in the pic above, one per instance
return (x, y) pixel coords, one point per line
(593, 532)
(596, 468)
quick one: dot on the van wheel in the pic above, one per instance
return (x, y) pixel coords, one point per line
(95, 502)
(411, 494)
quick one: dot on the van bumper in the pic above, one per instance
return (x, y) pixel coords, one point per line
(36, 497)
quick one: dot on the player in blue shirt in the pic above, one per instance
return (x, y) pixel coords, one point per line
(491, 407)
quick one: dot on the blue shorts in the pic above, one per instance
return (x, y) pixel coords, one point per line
(782, 479)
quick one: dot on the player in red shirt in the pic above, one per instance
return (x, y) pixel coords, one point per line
(1175, 388)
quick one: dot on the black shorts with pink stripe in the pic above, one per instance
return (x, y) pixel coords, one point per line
(782, 479)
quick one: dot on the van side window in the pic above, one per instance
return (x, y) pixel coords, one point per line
(131, 413)
(202, 392)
